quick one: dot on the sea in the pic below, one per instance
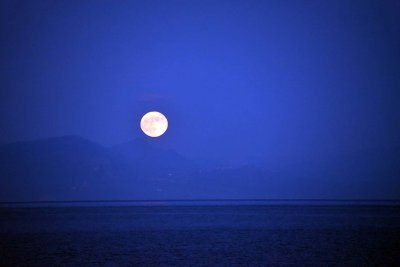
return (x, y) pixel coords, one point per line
(162, 233)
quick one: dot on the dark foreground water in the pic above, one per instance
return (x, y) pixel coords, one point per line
(246, 235)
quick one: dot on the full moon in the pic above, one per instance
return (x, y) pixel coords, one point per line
(154, 124)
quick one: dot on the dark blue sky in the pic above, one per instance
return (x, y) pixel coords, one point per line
(240, 81)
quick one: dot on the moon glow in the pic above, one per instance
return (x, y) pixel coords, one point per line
(154, 124)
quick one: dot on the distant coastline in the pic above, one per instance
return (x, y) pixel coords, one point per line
(203, 202)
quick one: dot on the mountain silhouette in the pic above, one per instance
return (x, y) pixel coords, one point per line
(142, 156)
(73, 168)
(70, 168)
(57, 168)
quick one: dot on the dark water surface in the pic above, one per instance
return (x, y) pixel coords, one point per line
(231, 235)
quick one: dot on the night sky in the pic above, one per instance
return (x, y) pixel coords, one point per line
(239, 81)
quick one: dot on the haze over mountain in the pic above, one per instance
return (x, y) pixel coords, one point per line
(73, 168)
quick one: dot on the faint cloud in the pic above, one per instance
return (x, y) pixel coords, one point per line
(152, 97)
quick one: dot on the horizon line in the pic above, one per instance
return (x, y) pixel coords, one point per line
(198, 200)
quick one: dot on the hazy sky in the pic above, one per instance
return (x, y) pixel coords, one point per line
(238, 80)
